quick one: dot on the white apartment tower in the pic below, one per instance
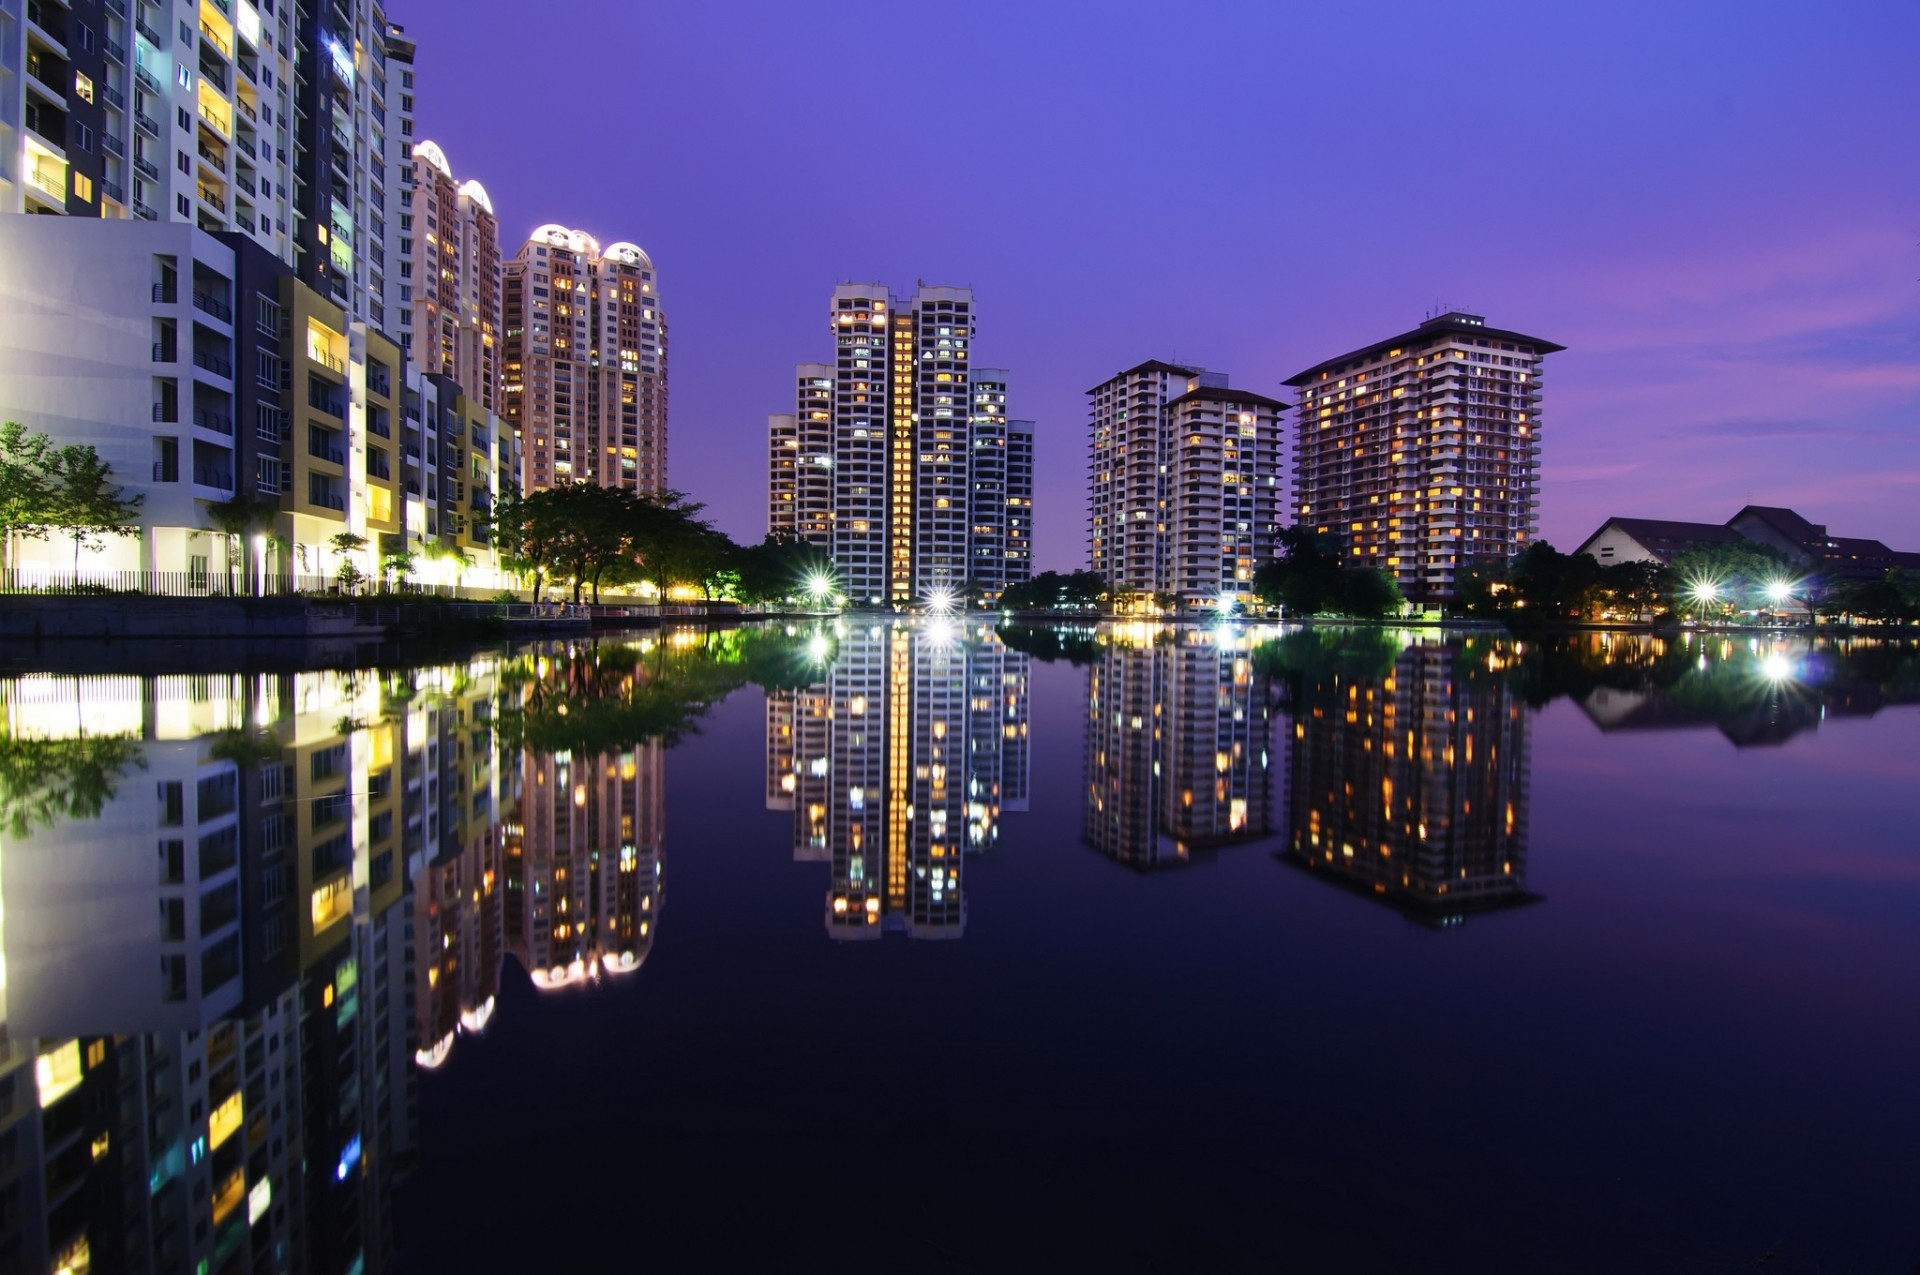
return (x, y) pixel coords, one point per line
(1183, 484)
(895, 459)
(584, 364)
(167, 112)
(1422, 451)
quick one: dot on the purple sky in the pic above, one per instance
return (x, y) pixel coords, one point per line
(1716, 207)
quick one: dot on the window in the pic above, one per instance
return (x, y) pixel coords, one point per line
(83, 188)
(83, 86)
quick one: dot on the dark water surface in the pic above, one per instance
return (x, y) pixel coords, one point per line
(1136, 949)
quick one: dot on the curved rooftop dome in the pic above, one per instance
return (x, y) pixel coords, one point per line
(431, 152)
(629, 253)
(478, 194)
(559, 236)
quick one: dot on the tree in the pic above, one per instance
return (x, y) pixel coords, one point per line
(88, 504)
(237, 518)
(28, 486)
(1305, 578)
(780, 568)
(1719, 578)
(1369, 594)
(349, 575)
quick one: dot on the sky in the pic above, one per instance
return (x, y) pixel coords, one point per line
(1715, 207)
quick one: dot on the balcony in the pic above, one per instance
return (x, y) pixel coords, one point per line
(218, 422)
(327, 452)
(151, 127)
(147, 79)
(322, 398)
(165, 414)
(210, 38)
(217, 364)
(213, 305)
(115, 50)
(144, 210)
(49, 20)
(210, 476)
(164, 353)
(148, 33)
(146, 168)
(328, 500)
(246, 146)
(112, 145)
(113, 190)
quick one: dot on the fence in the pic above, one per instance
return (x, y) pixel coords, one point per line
(208, 584)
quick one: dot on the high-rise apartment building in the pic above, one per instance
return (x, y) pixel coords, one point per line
(896, 459)
(452, 327)
(223, 311)
(1019, 501)
(584, 368)
(1182, 484)
(165, 113)
(1422, 452)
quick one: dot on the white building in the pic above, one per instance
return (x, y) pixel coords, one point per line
(1183, 492)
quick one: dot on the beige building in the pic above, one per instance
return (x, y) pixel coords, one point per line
(1422, 452)
(454, 324)
(585, 366)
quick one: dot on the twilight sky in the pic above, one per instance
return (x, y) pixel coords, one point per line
(1714, 206)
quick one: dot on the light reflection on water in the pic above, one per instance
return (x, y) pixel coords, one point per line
(243, 915)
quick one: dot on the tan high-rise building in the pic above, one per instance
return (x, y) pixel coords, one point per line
(584, 367)
(454, 324)
(1422, 452)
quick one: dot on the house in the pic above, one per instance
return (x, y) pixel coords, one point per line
(1808, 544)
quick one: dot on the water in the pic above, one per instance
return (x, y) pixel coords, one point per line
(1131, 949)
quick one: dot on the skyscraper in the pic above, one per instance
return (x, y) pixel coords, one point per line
(585, 368)
(899, 452)
(118, 114)
(452, 322)
(1422, 451)
(1182, 488)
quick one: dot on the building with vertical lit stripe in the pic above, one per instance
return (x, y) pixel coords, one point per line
(896, 458)
(1422, 452)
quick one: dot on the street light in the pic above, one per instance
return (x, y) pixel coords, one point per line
(819, 587)
(940, 601)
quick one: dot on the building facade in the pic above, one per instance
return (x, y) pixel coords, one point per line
(1182, 489)
(584, 365)
(1421, 452)
(452, 324)
(897, 458)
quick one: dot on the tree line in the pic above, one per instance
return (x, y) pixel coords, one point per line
(1714, 582)
(586, 538)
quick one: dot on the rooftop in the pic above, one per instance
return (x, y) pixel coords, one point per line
(1454, 321)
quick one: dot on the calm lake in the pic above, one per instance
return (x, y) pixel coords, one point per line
(920, 946)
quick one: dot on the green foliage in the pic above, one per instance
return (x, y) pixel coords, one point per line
(44, 488)
(45, 780)
(780, 569)
(1308, 579)
(1056, 591)
(588, 536)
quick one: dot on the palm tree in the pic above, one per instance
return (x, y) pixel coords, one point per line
(236, 518)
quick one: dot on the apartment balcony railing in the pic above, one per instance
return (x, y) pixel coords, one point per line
(214, 306)
(152, 128)
(115, 50)
(210, 476)
(165, 413)
(218, 422)
(152, 36)
(164, 353)
(113, 190)
(146, 79)
(213, 39)
(144, 210)
(246, 146)
(214, 363)
(328, 452)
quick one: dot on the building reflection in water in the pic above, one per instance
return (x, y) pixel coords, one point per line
(1407, 777)
(236, 912)
(897, 760)
(1177, 738)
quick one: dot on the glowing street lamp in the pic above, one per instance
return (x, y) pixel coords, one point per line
(1228, 600)
(1704, 593)
(940, 601)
